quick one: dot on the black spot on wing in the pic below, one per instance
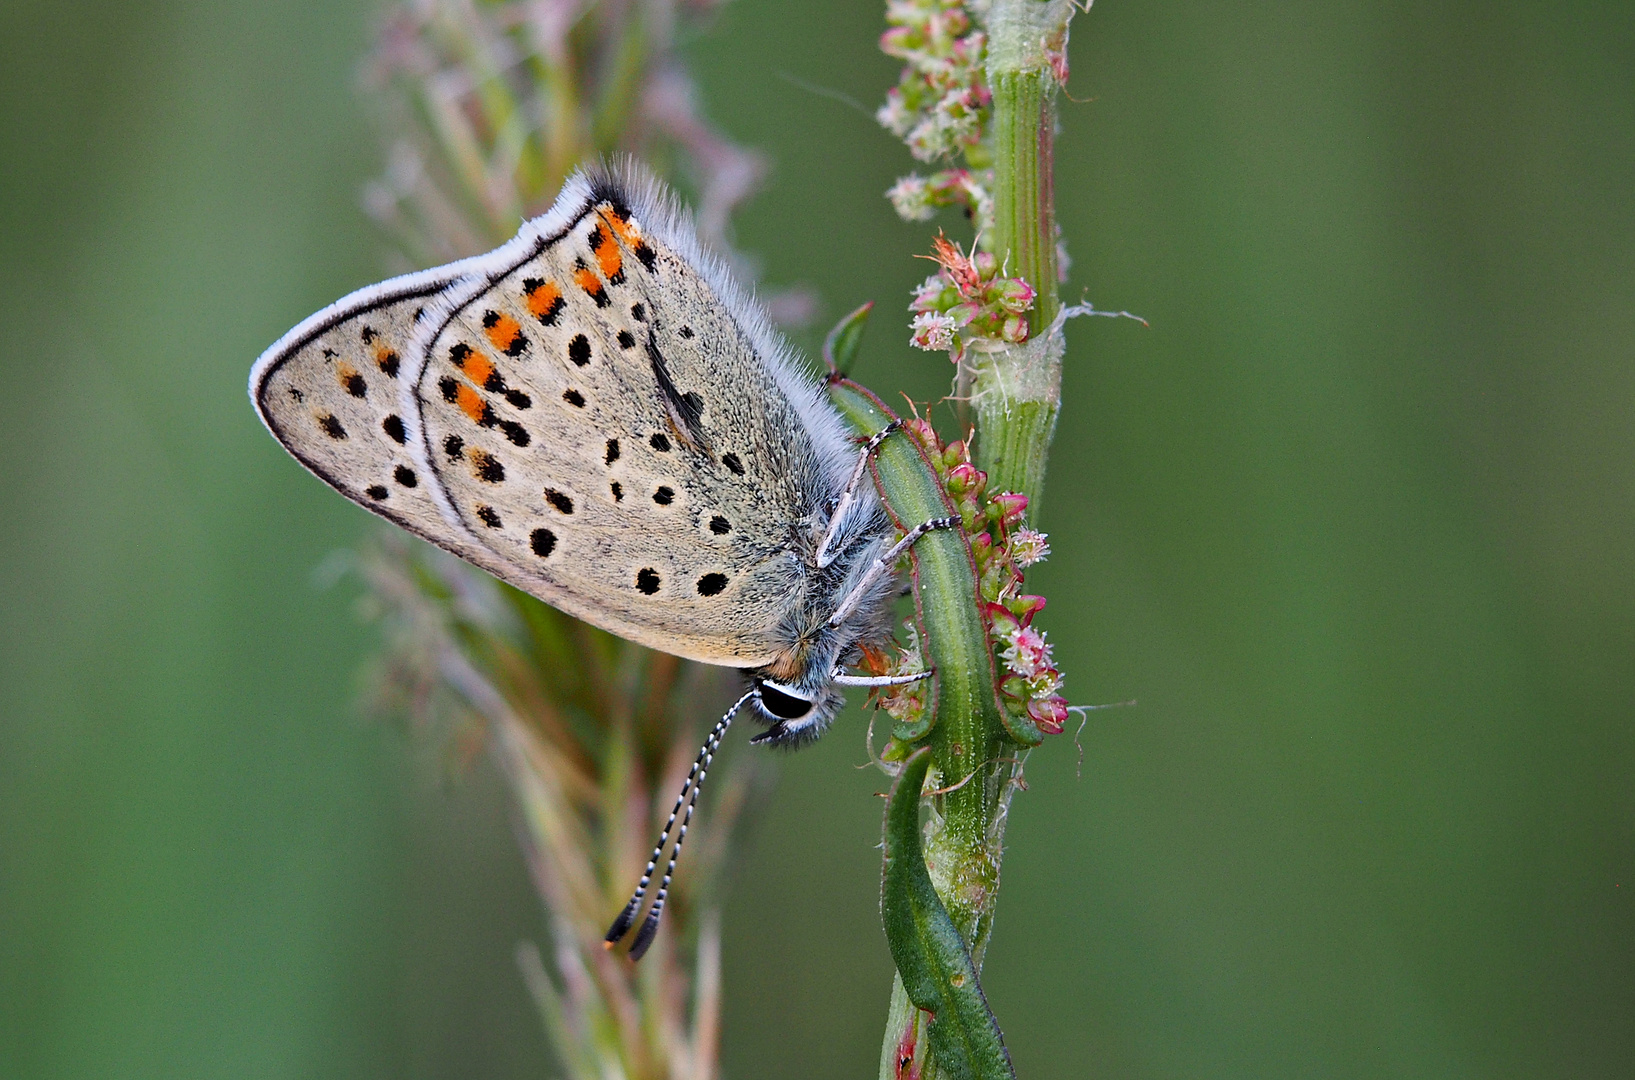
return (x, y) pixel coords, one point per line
(543, 541)
(712, 584)
(720, 526)
(393, 427)
(664, 496)
(627, 340)
(454, 447)
(660, 442)
(731, 461)
(488, 516)
(574, 398)
(331, 426)
(405, 476)
(612, 454)
(376, 492)
(562, 503)
(489, 469)
(647, 580)
(579, 350)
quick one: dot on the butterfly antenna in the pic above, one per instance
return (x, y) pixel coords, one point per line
(683, 809)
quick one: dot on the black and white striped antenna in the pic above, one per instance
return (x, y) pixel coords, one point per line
(683, 810)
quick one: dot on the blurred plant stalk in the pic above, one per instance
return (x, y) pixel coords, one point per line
(489, 106)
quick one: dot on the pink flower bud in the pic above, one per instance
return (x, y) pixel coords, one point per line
(1016, 295)
(1005, 625)
(929, 296)
(924, 432)
(1011, 507)
(1050, 714)
(1025, 607)
(963, 477)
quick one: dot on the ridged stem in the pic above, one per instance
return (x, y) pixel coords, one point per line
(1017, 390)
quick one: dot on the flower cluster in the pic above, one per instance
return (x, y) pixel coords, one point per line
(1002, 547)
(968, 304)
(916, 197)
(939, 106)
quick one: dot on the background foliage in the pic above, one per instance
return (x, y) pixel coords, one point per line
(1353, 522)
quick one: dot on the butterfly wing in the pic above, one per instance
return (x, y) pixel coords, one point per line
(329, 391)
(603, 411)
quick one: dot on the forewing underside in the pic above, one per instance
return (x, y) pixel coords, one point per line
(598, 418)
(329, 391)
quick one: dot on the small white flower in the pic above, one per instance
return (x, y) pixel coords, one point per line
(927, 295)
(933, 331)
(895, 116)
(1028, 547)
(1028, 654)
(911, 197)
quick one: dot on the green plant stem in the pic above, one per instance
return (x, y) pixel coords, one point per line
(1015, 396)
(1024, 210)
(1017, 391)
(969, 745)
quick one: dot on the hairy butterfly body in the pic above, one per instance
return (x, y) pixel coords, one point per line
(596, 413)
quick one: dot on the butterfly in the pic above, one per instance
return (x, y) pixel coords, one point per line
(597, 414)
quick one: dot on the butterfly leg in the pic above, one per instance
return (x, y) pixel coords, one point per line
(842, 679)
(882, 566)
(849, 495)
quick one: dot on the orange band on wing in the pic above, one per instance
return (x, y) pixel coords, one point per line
(622, 227)
(607, 253)
(471, 403)
(504, 332)
(628, 233)
(586, 279)
(544, 300)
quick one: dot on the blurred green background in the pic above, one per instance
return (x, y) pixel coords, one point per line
(1353, 521)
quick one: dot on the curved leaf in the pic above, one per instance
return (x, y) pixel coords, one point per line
(931, 957)
(964, 703)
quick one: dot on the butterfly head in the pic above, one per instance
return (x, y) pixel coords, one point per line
(795, 714)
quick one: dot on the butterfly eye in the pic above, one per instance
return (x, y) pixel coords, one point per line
(783, 703)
